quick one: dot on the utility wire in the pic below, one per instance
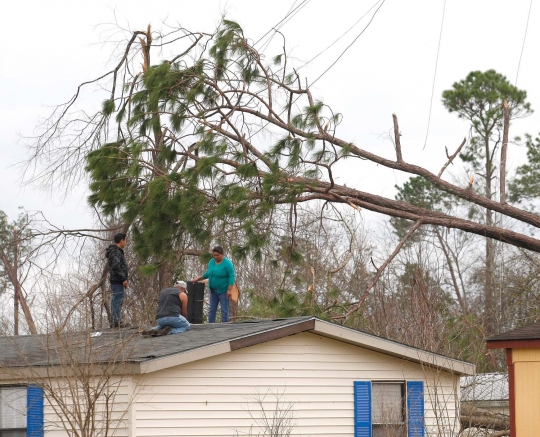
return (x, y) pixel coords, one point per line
(342, 35)
(435, 76)
(281, 21)
(349, 46)
(524, 39)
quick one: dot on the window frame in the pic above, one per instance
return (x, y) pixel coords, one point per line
(403, 402)
(22, 387)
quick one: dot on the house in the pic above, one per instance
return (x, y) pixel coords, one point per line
(522, 347)
(484, 404)
(487, 391)
(303, 375)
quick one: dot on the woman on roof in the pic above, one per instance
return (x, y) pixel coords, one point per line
(221, 277)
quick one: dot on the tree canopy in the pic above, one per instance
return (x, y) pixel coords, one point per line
(216, 136)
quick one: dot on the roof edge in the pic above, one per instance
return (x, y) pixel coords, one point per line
(292, 328)
(389, 347)
(513, 344)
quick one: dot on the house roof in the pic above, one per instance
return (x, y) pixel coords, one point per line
(201, 341)
(526, 336)
(484, 387)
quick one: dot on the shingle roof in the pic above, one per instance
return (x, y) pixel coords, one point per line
(484, 387)
(529, 332)
(125, 345)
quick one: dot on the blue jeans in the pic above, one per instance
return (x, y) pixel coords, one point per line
(179, 324)
(223, 301)
(117, 299)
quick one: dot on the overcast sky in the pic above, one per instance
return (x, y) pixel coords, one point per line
(51, 46)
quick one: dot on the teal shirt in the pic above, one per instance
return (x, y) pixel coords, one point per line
(220, 276)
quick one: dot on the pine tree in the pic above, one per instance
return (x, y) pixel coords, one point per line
(479, 99)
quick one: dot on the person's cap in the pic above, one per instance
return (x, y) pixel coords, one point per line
(180, 284)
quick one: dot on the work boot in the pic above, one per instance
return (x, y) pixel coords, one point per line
(149, 333)
(163, 331)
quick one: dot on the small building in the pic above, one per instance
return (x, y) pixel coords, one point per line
(486, 391)
(523, 360)
(302, 376)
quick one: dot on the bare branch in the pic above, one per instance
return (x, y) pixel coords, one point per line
(359, 304)
(451, 158)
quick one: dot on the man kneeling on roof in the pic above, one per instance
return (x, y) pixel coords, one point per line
(171, 312)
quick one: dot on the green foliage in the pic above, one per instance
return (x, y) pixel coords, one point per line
(171, 197)
(285, 303)
(466, 341)
(479, 99)
(108, 107)
(7, 243)
(526, 185)
(420, 192)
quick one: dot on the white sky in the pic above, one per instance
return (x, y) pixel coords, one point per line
(50, 46)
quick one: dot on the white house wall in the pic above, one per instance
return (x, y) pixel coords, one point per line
(214, 396)
(120, 399)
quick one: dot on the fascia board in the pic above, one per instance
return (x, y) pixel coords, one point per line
(391, 348)
(156, 364)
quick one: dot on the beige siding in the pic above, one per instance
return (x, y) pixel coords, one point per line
(527, 391)
(523, 355)
(218, 396)
(119, 395)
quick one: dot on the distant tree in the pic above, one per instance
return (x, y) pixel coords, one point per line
(420, 192)
(526, 184)
(15, 261)
(479, 99)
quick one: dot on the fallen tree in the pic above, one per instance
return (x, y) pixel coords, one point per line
(215, 137)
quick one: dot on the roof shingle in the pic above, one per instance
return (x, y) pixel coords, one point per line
(529, 332)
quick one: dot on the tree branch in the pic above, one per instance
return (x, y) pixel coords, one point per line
(359, 304)
(451, 158)
(397, 139)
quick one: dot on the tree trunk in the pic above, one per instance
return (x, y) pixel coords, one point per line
(16, 285)
(489, 314)
(166, 274)
(461, 298)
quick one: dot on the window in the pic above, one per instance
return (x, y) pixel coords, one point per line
(389, 409)
(13, 412)
(21, 411)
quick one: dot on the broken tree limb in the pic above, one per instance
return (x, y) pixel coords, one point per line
(451, 158)
(504, 147)
(472, 416)
(397, 139)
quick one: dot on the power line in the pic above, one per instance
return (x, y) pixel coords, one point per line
(281, 21)
(435, 75)
(342, 35)
(334, 63)
(350, 45)
(524, 39)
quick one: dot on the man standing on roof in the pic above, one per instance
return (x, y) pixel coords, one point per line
(171, 312)
(118, 277)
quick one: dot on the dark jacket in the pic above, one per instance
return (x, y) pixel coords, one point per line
(118, 269)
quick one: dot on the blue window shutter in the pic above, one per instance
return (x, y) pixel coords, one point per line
(362, 409)
(415, 408)
(34, 418)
